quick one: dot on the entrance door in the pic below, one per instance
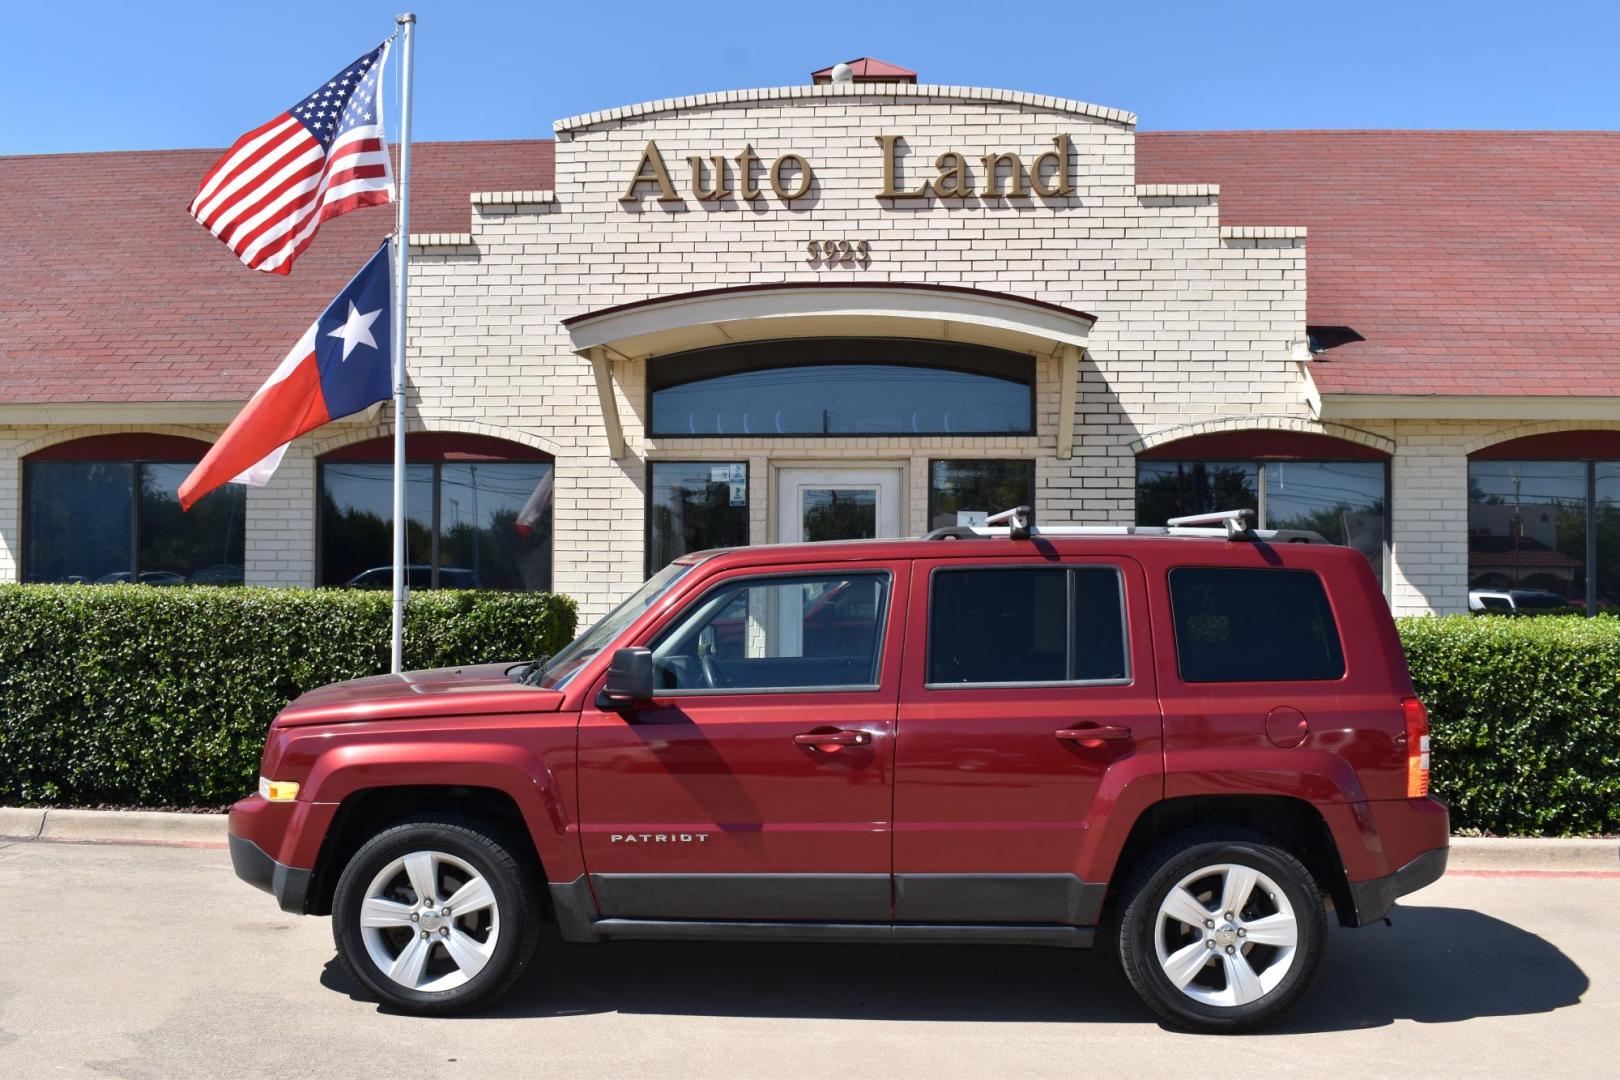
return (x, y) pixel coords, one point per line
(837, 504)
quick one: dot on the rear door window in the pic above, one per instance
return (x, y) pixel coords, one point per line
(1025, 625)
(1242, 625)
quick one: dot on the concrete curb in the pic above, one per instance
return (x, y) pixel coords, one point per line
(135, 826)
(21, 821)
(1512, 853)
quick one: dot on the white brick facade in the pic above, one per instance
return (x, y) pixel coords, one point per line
(1195, 322)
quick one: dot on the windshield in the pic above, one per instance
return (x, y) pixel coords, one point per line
(566, 664)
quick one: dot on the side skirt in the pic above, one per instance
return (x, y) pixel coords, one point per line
(575, 908)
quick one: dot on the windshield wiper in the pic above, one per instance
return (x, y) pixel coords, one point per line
(529, 674)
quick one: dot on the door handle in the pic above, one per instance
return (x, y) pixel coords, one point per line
(1095, 735)
(832, 740)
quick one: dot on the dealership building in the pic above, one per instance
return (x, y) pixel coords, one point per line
(842, 309)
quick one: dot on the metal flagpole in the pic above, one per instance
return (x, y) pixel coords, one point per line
(402, 261)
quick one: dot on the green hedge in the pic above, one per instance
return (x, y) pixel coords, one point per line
(1524, 719)
(141, 696)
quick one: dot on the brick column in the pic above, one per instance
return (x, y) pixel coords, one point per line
(1429, 480)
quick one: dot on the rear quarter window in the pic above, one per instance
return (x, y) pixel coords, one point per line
(1241, 625)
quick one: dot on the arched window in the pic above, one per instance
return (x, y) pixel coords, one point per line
(842, 386)
(1293, 480)
(478, 514)
(106, 509)
(1544, 519)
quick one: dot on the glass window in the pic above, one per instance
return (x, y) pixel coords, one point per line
(202, 545)
(79, 515)
(843, 386)
(693, 506)
(1527, 528)
(357, 525)
(1099, 624)
(1342, 500)
(1167, 489)
(992, 625)
(469, 525)
(1240, 625)
(495, 525)
(839, 513)
(120, 521)
(965, 492)
(807, 632)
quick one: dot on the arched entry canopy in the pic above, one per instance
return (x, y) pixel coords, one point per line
(710, 317)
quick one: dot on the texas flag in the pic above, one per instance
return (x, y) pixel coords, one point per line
(339, 366)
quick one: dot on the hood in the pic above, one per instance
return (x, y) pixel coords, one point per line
(476, 690)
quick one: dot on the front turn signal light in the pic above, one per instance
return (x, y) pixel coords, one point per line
(1417, 748)
(278, 790)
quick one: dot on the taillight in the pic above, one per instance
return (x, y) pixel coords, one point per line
(1417, 748)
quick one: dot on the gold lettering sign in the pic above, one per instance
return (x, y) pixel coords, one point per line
(1049, 175)
(791, 177)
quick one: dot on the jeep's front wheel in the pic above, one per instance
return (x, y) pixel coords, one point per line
(434, 917)
(1222, 931)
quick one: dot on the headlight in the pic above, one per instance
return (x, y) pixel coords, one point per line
(278, 790)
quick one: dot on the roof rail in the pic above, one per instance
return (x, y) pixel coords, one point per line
(1235, 522)
(1233, 525)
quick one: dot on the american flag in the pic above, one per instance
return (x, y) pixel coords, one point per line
(323, 157)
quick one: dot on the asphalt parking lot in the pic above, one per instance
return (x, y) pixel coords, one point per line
(134, 961)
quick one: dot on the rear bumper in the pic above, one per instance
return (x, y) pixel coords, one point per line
(288, 884)
(1374, 898)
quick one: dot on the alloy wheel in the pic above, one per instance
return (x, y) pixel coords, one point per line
(1226, 935)
(430, 921)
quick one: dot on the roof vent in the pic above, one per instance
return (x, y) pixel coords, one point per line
(864, 69)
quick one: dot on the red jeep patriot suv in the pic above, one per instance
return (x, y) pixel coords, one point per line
(1193, 740)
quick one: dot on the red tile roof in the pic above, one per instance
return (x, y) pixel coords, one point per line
(110, 292)
(1467, 263)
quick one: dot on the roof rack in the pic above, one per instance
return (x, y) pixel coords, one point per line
(1018, 523)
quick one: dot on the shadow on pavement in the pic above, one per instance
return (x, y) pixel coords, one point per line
(1436, 965)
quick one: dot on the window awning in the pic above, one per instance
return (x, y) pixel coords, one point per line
(709, 317)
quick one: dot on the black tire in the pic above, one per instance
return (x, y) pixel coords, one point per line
(1168, 864)
(516, 889)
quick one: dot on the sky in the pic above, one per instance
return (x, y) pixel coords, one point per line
(99, 76)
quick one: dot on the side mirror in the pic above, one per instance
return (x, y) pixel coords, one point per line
(629, 680)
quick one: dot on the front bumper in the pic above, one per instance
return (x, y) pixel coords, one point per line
(1374, 898)
(288, 884)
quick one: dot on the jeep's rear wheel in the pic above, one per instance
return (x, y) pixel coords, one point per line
(435, 917)
(1222, 930)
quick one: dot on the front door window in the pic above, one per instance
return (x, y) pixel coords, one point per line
(797, 633)
(817, 504)
(839, 513)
